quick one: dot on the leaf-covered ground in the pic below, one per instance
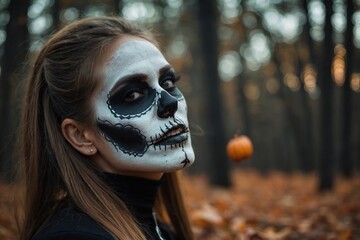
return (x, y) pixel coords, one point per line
(277, 206)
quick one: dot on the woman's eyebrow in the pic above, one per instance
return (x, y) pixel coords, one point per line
(165, 69)
(128, 78)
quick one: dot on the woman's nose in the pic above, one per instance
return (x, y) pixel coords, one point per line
(167, 105)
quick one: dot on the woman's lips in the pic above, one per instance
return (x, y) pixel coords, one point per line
(173, 139)
(175, 135)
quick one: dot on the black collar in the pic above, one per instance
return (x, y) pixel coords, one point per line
(139, 196)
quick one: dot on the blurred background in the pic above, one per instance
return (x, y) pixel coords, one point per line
(286, 73)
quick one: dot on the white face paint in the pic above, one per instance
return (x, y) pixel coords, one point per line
(141, 113)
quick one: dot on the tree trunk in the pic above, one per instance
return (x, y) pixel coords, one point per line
(15, 49)
(56, 8)
(326, 166)
(346, 161)
(289, 128)
(116, 7)
(305, 137)
(218, 162)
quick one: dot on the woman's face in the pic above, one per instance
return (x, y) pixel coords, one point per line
(140, 113)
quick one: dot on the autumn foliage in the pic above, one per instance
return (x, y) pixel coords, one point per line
(275, 207)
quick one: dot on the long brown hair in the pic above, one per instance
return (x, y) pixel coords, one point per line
(61, 80)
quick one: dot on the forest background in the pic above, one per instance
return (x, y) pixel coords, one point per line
(286, 73)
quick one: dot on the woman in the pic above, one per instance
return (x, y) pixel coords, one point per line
(104, 130)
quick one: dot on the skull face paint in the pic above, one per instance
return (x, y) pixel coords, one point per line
(141, 113)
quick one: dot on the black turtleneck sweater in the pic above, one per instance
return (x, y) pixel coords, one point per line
(139, 196)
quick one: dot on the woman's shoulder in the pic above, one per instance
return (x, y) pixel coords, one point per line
(71, 223)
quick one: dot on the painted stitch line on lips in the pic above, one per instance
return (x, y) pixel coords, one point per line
(174, 132)
(177, 127)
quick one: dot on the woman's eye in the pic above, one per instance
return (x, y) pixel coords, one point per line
(168, 84)
(133, 96)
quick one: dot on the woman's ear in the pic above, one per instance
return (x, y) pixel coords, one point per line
(78, 136)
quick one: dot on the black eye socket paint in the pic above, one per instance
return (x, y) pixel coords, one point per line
(125, 110)
(169, 75)
(120, 96)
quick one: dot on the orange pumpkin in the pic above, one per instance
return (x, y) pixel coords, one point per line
(239, 148)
